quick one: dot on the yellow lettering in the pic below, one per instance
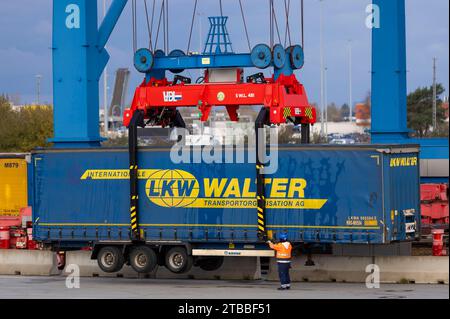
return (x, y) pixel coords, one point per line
(233, 188)
(404, 161)
(246, 193)
(213, 187)
(298, 186)
(279, 187)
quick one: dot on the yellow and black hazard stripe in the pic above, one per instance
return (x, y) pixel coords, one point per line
(261, 216)
(309, 113)
(261, 201)
(134, 215)
(287, 112)
(134, 218)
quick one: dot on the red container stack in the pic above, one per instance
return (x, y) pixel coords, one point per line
(31, 244)
(17, 232)
(4, 237)
(434, 198)
(438, 243)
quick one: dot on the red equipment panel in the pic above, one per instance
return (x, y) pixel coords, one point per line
(285, 97)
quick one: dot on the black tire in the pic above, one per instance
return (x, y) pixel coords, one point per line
(143, 259)
(110, 259)
(211, 264)
(178, 261)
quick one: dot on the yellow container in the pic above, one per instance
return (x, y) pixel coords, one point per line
(13, 185)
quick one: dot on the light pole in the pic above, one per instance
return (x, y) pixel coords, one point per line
(326, 100)
(38, 88)
(200, 34)
(434, 96)
(350, 81)
(322, 72)
(105, 87)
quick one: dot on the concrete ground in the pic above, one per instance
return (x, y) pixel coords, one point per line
(102, 287)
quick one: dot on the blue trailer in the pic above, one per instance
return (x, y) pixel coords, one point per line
(195, 214)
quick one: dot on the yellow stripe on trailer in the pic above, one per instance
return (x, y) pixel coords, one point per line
(13, 186)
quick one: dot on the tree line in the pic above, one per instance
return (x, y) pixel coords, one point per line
(26, 128)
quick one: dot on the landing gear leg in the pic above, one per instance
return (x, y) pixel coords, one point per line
(305, 133)
(309, 260)
(178, 122)
(261, 120)
(136, 121)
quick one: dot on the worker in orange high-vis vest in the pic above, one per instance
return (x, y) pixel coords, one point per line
(283, 254)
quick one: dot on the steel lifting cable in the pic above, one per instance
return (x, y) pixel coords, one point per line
(271, 22)
(159, 25)
(221, 8)
(276, 25)
(302, 25)
(192, 26)
(134, 26)
(245, 26)
(152, 22)
(148, 26)
(164, 26)
(287, 7)
(167, 26)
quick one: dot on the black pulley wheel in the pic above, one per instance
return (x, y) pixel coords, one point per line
(176, 54)
(143, 60)
(279, 56)
(261, 56)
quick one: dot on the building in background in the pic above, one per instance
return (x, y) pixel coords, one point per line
(362, 114)
(119, 97)
(117, 107)
(445, 107)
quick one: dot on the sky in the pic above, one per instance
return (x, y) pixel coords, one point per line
(26, 35)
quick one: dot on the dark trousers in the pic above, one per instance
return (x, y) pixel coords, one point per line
(283, 273)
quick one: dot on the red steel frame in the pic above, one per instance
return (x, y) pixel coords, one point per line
(285, 97)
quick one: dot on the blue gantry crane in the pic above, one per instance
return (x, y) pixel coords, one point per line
(389, 92)
(79, 58)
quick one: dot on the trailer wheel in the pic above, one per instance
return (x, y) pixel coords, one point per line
(110, 259)
(211, 264)
(143, 259)
(178, 261)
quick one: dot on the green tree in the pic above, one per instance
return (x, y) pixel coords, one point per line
(345, 111)
(420, 111)
(334, 114)
(286, 135)
(24, 129)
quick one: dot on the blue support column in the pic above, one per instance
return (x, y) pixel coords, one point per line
(389, 111)
(79, 59)
(389, 91)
